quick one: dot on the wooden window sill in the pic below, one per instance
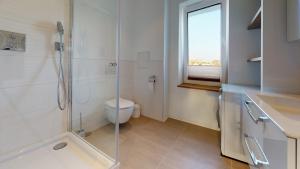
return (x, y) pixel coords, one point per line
(200, 87)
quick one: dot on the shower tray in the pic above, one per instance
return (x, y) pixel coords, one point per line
(74, 154)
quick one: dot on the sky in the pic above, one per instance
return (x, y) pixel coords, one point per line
(205, 33)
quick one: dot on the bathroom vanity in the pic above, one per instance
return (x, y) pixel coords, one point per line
(257, 127)
(230, 122)
(270, 129)
(266, 125)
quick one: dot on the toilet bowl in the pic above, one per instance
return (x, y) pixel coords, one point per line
(125, 112)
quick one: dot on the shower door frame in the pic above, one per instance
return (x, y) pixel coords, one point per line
(117, 81)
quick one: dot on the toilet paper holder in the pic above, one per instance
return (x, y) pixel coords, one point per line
(152, 79)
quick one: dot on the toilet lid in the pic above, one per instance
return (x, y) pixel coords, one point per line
(123, 103)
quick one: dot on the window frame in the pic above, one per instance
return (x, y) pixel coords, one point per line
(185, 9)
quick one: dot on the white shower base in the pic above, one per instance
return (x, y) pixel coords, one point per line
(76, 155)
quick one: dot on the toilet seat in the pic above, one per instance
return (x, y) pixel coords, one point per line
(125, 111)
(124, 104)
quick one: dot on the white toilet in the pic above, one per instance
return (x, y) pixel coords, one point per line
(126, 110)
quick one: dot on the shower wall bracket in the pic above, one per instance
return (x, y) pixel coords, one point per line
(58, 46)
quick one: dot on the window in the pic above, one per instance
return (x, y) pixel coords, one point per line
(201, 43)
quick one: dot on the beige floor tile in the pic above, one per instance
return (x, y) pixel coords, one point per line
(104, 139)
(238, 165)
(166, 166)
(149, 144)
(160, 133)
(139, 145)
(136, 152)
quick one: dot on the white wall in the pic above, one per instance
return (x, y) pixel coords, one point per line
(194, 106)
(94, 49)
(142, 54)
(28, 107)
(142, 31)
(127, 59)
(243, 43)
(281, 59)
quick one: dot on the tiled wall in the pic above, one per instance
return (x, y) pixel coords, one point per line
(142, 54)
(94, 49)
(151, 101)
(28, 107)
(127, 72)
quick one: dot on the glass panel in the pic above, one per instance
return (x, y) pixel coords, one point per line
(94, 72)
(204, 44)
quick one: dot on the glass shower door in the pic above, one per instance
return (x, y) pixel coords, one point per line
(94, 73)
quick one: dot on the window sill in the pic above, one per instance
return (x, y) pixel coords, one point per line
(200, 87)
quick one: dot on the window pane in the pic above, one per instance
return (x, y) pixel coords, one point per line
(204, 44)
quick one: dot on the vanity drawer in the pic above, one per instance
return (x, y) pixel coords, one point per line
(252, 133)
(252, 120)
(265, 145)
(255, 153)
(280, 150)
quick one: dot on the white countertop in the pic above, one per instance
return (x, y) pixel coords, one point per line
(287, 122)
(239, 89)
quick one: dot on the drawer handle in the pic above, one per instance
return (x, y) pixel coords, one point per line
(257, 162)
(256, 120)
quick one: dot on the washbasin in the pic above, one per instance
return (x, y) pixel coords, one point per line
(287, 106)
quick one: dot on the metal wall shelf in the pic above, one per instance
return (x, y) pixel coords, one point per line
(256, 21)
(255, 59)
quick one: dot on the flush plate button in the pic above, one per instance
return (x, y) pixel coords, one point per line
(12, 41)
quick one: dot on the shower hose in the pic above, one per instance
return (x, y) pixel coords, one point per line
(61, 85)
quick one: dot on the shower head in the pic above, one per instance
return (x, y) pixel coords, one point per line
(60, 28)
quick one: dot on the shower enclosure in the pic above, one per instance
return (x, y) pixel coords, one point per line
(94, 72)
